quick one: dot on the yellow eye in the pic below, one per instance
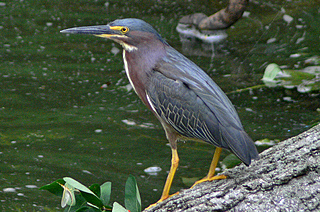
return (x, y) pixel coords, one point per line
(124, 30)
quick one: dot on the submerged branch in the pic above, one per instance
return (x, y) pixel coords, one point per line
(219, 20)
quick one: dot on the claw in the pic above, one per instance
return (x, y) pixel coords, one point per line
(206, 179)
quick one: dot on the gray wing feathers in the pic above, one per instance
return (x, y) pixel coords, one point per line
(179, 106)
(196, 107)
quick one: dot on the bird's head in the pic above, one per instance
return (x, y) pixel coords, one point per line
(130, 32)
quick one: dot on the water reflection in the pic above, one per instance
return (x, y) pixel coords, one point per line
(66, 110)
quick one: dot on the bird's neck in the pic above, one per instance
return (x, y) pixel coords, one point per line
(129, 74)
(141, 60)
(139, 64)
(127, 47)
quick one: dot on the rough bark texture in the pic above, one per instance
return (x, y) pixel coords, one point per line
(286, 178)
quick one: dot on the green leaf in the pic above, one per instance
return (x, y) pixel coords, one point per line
(80, 202)
(68, 197)
(95, 188)
(118, 208)
(271, 72)
(94, 200)
(305, 80)
(85, 192)
(78, 185)
(105, 189)
(54, 187)
(83, 209)
(88, 209)
(132, 195)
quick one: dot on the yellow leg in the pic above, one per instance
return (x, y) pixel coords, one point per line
(174, 166)
(167, 186)
(212, 169)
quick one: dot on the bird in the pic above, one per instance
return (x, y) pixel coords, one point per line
(186, 101)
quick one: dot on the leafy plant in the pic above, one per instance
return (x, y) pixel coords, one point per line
(305, 80)
(76, 197)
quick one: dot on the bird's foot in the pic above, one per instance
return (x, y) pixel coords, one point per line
(218, 177)
(160, 200)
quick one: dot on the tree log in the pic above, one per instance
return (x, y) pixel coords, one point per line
(225, 17)
(285, 178)
(222, 19)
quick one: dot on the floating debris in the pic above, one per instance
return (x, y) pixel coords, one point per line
(153, 170)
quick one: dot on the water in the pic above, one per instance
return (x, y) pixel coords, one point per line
(66, 108)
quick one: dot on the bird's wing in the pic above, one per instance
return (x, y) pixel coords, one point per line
(180, 107)
(188, 99)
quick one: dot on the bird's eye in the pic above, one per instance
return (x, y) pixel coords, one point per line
(124, 30)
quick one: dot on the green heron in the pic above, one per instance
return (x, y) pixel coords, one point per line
(187, 102)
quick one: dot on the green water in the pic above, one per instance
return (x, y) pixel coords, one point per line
(57, 117)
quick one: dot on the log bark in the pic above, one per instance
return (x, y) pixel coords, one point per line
(285, 178)
(222, 19)
(225, 17)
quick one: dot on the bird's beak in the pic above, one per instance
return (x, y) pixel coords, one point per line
(100, 31)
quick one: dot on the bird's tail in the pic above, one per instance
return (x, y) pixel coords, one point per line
(239, 142)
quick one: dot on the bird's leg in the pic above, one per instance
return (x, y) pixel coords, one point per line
(212, 169)
(167, 185)
(174, 166)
